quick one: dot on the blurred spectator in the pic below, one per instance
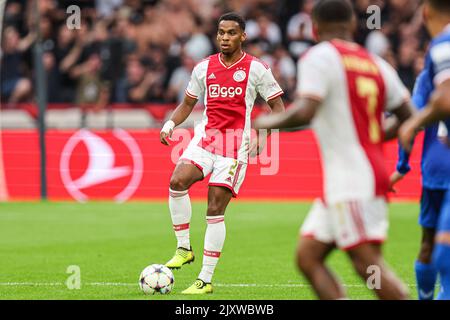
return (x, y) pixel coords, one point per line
(180, 79)
(300, 29)
(142, 51)
(92, 91)
(15, 87)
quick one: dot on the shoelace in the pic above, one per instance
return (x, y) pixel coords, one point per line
(182, 252)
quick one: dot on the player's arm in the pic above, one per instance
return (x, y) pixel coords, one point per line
(299, 114)
(393, 124)
(257, 146)
(184, 109)
(180, 114)
(437, 109)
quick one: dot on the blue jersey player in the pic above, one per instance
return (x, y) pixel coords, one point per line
(437, 20)
(435, 182)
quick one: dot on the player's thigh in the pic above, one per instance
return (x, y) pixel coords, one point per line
(317, 225)
(430, 206)
(184, 176)
(218, 200)
(228, 173)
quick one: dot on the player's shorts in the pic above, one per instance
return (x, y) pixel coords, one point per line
(225, 172)
(430, 207)
(347, 224)
(444, 218)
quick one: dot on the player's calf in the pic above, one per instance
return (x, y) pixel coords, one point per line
(389, 287)
(441, 260)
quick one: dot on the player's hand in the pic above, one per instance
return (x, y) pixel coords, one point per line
(393, 179)
(166, 132)
(406, 134)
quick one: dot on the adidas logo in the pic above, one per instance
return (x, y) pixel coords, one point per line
(228, 179)
(211, 76)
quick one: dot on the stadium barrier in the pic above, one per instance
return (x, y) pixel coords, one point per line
(123, 165)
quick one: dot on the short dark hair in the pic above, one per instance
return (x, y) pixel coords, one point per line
(333, 11)
(233, 16)
(441, 5)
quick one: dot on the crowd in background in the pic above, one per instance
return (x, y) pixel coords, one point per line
(143, 51)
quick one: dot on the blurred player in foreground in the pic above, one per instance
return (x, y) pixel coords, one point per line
(230, 82)
(343, 92)
(437, 65)
(435, 167)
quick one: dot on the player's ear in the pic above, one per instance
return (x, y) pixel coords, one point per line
(243, 36)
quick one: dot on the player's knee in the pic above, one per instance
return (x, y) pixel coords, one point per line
(306, 261)
(361, 265)
(425, 253)
(178, 184)
(215, 209)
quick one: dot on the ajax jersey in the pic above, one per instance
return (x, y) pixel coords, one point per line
(354, 89)
(229, 94)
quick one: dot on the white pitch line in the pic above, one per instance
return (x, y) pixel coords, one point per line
(121, 284)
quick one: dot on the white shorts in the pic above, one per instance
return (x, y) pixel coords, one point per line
(225, 172)
(347, 224)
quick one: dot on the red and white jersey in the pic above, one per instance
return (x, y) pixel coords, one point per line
(355, 88)
(229, 94)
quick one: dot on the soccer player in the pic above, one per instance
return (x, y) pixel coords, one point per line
(230, 82)
(437, 65)
(343, 92)
(435, 182)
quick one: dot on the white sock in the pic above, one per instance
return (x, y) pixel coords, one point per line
(180, 212)
(214, 240)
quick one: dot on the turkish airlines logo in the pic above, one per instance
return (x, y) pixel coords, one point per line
(216, 91)
(101, 166)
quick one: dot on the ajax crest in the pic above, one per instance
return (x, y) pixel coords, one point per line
(239, 76)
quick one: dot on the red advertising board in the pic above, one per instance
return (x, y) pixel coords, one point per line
(133, 165)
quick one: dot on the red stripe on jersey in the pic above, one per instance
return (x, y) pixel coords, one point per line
(275, 95)
(366, 89)
(225, 106)
(236, 175)
(179, 227)
(216, 220)
(214, 254)
(357, 219)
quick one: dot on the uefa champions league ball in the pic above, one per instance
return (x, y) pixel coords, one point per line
(156, 278)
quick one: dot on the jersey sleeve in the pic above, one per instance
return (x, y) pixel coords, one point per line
(195, 87)
(268, 87)
(440, 57)
(403, 166)
(396, 92)
(313, 76)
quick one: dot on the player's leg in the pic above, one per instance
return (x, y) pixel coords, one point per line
(441, 254)
(426, 274)
(367, 259)
(226, 179)
(218, 199)
(311, 256)
(316, 241)
(183, 177)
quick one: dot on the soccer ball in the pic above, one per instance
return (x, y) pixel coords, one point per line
(156, 278)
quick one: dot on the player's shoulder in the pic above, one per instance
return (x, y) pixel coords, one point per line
(320, 51)
(202, 66)
(258, 63)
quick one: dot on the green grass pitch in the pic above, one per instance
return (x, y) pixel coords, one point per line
(112, 243)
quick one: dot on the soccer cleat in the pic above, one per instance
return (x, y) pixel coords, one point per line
(199, 287)
(182, 256)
